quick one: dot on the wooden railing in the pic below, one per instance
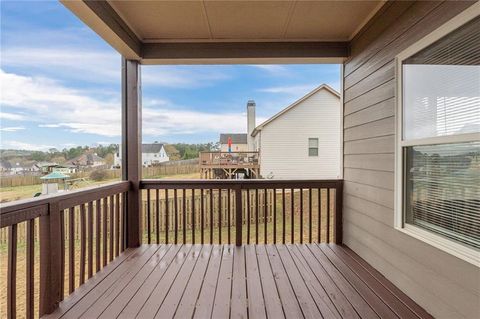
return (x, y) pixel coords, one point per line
(242, 211)
(83, 227)
(229, 159)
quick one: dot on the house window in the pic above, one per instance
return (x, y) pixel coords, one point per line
(313, 147)
(438, 146)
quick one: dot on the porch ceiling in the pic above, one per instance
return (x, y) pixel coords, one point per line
(227, 31)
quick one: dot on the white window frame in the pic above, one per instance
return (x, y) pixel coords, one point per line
(318, 146)
(463, 252)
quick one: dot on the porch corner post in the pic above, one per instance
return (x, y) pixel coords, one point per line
(131, 148)
(238, 216)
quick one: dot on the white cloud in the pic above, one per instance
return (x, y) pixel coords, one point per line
(11, 116)
(12, 128)
(53, 105)
(271, 68)
(25, 146)
(292, 89)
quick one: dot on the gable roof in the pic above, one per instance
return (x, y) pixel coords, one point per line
(297, 102)
(152, 148)
(85, 158)
(236, 138)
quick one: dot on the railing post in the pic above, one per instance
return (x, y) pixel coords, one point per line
(51, 258)
(238, 216)
(338, 213)
(131, 147)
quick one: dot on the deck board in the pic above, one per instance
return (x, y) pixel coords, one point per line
(251, 281)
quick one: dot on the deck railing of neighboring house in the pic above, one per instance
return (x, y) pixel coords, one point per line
(77, 234)
(229, 159)
(271, 211)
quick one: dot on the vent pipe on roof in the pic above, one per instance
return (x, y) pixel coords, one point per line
(250, 124)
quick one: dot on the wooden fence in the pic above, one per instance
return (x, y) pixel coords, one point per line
(162, 169)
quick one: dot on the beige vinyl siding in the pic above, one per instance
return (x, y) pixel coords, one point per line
(444, 285)
(284, 141)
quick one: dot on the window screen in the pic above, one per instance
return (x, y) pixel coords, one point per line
(441, 98)
(313, 147)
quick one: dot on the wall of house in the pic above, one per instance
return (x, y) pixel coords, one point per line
(444, 285)
(283, 142)
(152, 158)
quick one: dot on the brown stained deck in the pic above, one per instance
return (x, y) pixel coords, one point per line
(251, 281)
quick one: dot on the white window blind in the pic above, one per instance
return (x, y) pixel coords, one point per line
(441, 97)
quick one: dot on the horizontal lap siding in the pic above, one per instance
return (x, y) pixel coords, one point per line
(284, 141)
(445, 285)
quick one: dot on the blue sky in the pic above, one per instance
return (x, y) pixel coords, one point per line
(61, 87)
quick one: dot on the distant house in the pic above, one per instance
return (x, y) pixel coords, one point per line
(303, 140)
(5, 167)
(65, 169)
(87, 160)
(239, 142)
(152, 154)
(45, 167)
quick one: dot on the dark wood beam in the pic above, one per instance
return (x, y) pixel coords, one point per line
(236, 52)
(131, 148)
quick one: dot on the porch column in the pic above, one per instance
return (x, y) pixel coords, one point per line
(131, 148)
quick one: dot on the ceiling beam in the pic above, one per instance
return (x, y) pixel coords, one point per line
(244, 52)
(102, 18)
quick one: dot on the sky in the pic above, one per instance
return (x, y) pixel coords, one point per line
(60, 87)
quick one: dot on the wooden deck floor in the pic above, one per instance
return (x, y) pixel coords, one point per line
(252, 281)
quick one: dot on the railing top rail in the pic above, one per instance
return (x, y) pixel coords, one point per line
(65, 199)
(242, 184)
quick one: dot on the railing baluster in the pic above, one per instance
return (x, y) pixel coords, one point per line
(301, 215)
(193, 216)
(310, 215)
(238, 216)
(339, 213)
(117, 227)
(166, 216)
(265, 201)
(328, 216)
(90, 240)
(149, 240)
(274, 216)
(30, 269)
(211, 216)
(175, 203)
(283, 216)
(98, 219)
(184, 218)
(319, 215)
(220, 216)
(105, 234)
(228, 214)
(71, 249)
(292, 217)
(157, 216)
(111, 226)
(83, 240)
(256, 216)
(12, 272)
(248, 216)
(202, 217)
(62, 252)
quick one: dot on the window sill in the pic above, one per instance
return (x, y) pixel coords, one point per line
(467, 254)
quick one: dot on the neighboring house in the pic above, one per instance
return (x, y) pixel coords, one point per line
(45, 167)
(152, 154)
(5, 167)
(303, 140)
(88, 160)
(239, 142)
(65, 169)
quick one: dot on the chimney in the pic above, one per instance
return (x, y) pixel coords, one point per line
(250, 124)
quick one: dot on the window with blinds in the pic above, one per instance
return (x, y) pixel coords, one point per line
(313, 147)
(440, 136)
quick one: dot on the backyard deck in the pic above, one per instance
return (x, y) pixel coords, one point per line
(221, 281)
